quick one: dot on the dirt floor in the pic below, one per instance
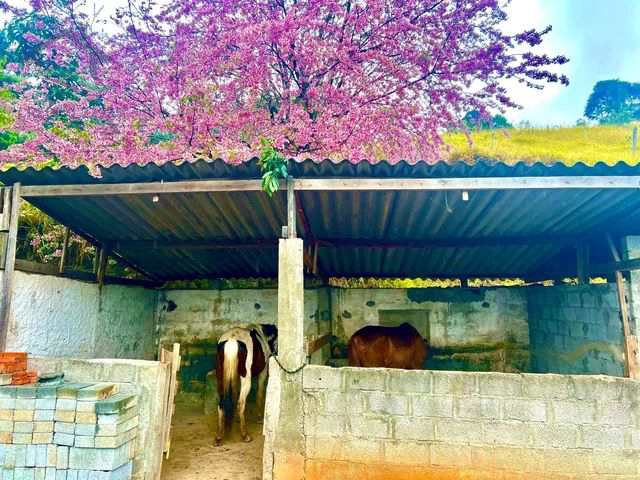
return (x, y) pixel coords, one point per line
(194, 457)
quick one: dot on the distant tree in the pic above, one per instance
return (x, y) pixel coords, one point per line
(475, 120)
(614, 101)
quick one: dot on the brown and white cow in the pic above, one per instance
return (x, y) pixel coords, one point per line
(387, 347)
(243, 353)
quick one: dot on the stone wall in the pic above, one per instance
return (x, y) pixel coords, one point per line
(377, 423)
(576, 329)
(62, 317)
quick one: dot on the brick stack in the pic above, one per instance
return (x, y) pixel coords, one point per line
(75, 431)
(13, 369)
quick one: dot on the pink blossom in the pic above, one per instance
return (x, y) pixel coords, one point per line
(320, 79)
(31, 37)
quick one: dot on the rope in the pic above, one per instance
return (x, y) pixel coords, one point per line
(290, 372)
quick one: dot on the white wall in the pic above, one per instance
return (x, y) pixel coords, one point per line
(53, 316)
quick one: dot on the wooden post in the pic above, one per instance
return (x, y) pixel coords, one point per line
(65, 248)
(582, 263)
(314, 268)
(630, 345)
(6, 209)
(291, 209)
(9, 266)
(103, 256)
(5, 218)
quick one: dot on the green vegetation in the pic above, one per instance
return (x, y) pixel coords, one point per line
(614, 102)
(589, 144)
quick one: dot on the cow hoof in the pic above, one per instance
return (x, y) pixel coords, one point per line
(247, 438)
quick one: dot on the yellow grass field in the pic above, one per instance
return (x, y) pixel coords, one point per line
(608, 144)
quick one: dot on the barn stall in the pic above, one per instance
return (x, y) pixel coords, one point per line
(482, 407)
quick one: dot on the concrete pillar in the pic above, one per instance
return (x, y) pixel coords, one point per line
(291, 349)
(284, 446)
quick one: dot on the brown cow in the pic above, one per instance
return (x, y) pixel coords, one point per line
(387, 347)
(243, 353)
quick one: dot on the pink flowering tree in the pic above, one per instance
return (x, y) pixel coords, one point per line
(354, 79)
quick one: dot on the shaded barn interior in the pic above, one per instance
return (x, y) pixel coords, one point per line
(209, 219)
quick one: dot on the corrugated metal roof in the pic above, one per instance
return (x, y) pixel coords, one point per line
(388, 217)
(210, 169)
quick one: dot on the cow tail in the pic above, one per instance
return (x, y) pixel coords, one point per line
(230, 374)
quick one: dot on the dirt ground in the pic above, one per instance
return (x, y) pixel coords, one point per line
(194, 457)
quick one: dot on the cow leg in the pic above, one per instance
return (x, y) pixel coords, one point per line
(220, 430)
(245, 387)
(220, 388)
(262, 387)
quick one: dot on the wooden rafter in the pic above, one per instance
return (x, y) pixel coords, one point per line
(215, 244)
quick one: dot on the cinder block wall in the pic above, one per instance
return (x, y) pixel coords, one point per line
(68, 318)
(197, 318)
(376, 423)
(575, 329)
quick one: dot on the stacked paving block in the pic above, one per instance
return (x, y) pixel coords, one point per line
(13, 369)
(71, 431)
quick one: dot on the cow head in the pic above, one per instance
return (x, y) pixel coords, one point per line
(271, 335)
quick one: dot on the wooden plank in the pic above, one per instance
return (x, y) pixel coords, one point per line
(103, 258)
(314, 267)
(347, 242)
(582, 262)
(149, 188)
(173, 358)
(291, 209)
(340, 184)
(630, 346)
(51, 269)
(6, 209)
(194, 244)
(620, 266)
(65, 248)
(483, 183)
(454, 242)
(35, 267)
(9, 266)
(316, 344)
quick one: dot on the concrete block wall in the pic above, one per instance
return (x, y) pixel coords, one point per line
(456, 317)
(149, 380)
(575, 329)
(63, 317)
(197, 318)
(376, 423)
(479, 329)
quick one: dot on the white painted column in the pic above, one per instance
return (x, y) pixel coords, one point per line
(291, 349)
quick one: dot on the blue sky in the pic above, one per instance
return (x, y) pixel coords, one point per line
(602, 39)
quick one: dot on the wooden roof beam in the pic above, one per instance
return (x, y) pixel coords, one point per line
(339, 184)
(222, 244)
